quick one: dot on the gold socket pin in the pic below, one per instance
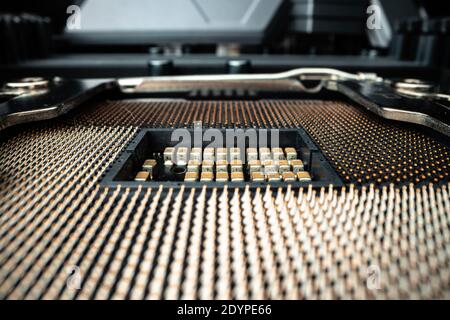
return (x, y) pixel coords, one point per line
(237, 176)
(257, 177)
(149, 164)
(207, 166)
(221, 166)
(222, 176)
(291, 153)
(142, 176)
(289, 176)
(303, 176)
(206, 176)
(191, 176)
(297, 165)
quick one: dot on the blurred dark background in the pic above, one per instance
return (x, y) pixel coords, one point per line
(120, 38)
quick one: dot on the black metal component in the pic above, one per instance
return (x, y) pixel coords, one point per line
(60, 97)
(238, 66)
(387, 103)
(136, 65)
(378, 97)
(160, 67)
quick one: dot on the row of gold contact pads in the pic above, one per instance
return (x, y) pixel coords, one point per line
(181, 155)
(271, 164)
(361, 147)
(238, 243)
